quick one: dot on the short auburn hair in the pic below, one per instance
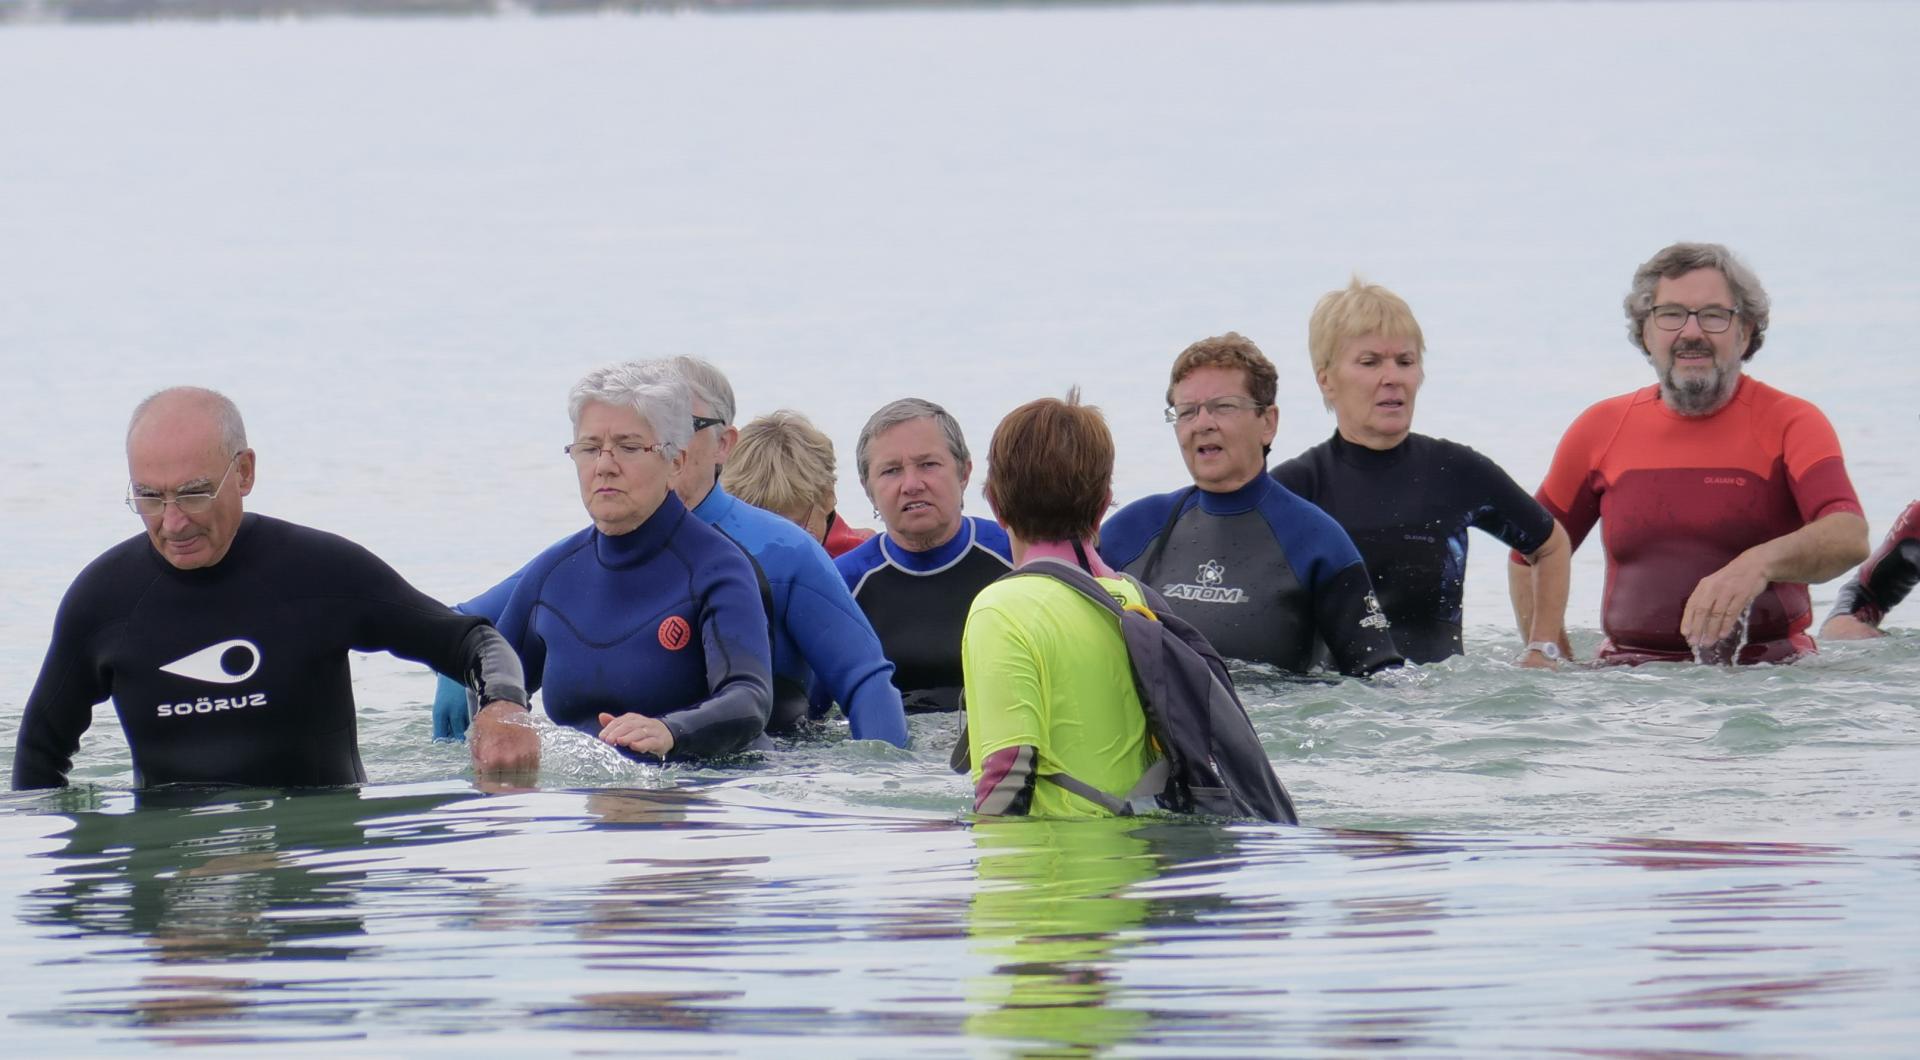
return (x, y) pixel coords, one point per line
(1232, 350)
(1050, 469)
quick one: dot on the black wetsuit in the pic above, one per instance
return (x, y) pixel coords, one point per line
(1260, 572)
(1887, 576)
(237, 673)
(918, 601)
(1408, 509)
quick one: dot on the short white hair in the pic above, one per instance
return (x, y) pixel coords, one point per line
(709, 385)
(654, 389)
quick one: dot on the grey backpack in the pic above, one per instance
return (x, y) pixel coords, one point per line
(1211, 761)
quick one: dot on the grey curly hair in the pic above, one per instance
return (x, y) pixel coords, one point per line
(1749, 298)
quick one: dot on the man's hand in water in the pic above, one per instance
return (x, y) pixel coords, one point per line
(1719, 603)
(503, 740)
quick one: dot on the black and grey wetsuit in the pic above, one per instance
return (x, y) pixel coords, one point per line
(1259, 571)
(1408, 509)
(237, 673)
(918, 601)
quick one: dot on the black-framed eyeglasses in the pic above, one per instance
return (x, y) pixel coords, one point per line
(585, 453)
(1713, 319)
(1218, 408)
(701, 423)
(150, 504)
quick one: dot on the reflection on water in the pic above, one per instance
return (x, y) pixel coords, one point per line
(705, 915)
(1052, 911)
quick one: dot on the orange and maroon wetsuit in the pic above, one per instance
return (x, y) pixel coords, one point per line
(1681, 496)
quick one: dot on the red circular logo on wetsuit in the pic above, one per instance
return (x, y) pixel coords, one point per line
(675, 633)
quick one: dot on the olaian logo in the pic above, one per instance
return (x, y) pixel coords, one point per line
(226, 663)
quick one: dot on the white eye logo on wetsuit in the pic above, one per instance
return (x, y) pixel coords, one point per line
(226, 663)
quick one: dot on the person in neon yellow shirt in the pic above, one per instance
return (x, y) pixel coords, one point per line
(1048, 684)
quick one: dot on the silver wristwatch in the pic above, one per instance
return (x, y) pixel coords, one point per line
(1546, 648)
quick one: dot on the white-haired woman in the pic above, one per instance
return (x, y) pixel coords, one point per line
(645, 628)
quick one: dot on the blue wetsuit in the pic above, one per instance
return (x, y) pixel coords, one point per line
(665, 621)
(1260, 572)
(818, 631)
(918, 602)
(820, 638)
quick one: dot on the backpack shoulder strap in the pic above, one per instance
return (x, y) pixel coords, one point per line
(1166, 530)
(1084, 582)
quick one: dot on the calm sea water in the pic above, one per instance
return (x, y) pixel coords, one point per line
(396, 243)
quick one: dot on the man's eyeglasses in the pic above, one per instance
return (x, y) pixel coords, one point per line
(194, 503)
(1713, 319)
(701, 423)
(1218, 408)
(585, 453)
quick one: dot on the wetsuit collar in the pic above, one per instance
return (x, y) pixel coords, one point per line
(1360, 456)
(717, 505)
(933, 559)
(1244, 499)
(635, 546)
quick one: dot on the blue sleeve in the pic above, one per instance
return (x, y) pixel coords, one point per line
(451, 713)
(1317, 548)
(515, 620)
(841, 648)
(1127, 532)
(491, 603)
(733, 633)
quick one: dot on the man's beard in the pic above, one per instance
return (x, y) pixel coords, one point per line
(1697, 395)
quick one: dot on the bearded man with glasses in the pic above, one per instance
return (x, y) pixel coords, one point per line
(1722, 496)
(222, 636)
(1262, 573)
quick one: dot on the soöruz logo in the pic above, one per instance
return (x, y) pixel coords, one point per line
(226, 663)
(204, 705)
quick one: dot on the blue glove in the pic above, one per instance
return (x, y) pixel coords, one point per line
(450, 712)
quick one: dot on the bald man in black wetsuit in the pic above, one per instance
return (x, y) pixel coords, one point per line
(222, 637)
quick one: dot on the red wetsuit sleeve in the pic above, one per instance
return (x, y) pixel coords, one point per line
(1815, 470)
